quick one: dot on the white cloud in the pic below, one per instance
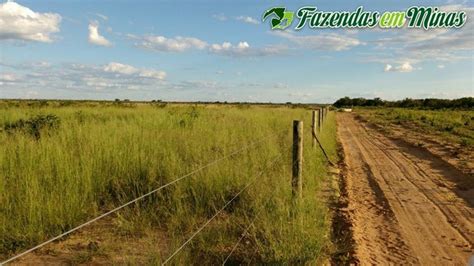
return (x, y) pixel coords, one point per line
(164, 44)
(150, 73)
(95, 37)
(8, 77)
(119, 68)
(247, 19)
(326, 42)
(123, 69)
(404, 67)
(220, 17)
(18, 22)
(182, 44)
(102, 16)
(243, 49)
(441, 66)
(227, 46)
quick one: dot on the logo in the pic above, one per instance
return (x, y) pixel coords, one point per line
(430, 17)
(283, 18)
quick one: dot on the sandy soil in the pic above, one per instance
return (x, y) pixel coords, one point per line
(404, 203)
(101, 243)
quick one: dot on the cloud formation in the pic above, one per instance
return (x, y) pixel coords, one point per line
(95, 37)
(324, 42)
(81, 78)
(404, 68)
(164, 44)
(18, 22)
(123, 69)
(248, 20)
(220, 17)
(181, 44)
(243, 49)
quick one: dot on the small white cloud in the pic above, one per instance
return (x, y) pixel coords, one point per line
(154, 74)
(95, 37)
(404, 67)
(220, 17)
(102, 16)
(243, 49)
(177, 44)
(8, 77)
(18, 22)
(124, 69)
(227, 47)
(247, 19)
(441, 66)
(119, 68)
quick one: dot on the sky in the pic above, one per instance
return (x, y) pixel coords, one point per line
(222, 51)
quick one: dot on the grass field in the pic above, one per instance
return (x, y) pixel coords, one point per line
(74, 162)
(456, 126)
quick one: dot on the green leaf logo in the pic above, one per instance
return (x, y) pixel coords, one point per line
(282, 19)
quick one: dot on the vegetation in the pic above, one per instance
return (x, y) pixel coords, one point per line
(453, 125)
(461, 103)
(85, 158)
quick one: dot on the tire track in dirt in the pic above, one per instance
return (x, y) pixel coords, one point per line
(402, 210)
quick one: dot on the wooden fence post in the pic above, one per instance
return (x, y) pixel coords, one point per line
(320, 118)
(296, 181)
(314, 125)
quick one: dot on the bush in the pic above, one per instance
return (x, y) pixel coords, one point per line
(34, 125)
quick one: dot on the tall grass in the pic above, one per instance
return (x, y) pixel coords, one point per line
(102, 156)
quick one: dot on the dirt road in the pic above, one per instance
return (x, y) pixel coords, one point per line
(404, 205)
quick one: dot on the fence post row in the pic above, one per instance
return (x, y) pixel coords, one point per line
(296, 181)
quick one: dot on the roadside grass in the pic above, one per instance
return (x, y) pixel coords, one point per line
(99, 156)
(455, 126)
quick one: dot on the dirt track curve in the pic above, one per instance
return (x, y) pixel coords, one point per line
(404, 205)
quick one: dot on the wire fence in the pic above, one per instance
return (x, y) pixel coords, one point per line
(244, 148)
(249, 146)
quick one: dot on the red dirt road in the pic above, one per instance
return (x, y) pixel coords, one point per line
(404, 205)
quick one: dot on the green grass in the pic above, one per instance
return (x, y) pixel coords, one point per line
(452, 125)
(103, 155)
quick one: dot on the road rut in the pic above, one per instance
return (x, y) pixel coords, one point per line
(403, 203)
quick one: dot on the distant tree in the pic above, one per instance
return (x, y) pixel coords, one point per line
(429, 103)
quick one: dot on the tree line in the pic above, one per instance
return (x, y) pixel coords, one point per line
(429, 103)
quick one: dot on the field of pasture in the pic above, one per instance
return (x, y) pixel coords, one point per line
(62, 164)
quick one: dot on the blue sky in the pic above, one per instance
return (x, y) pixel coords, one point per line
(221, 51)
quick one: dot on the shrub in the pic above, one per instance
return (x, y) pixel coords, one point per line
(34, 125)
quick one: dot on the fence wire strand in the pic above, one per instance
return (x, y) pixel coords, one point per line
(321, 147)
(246, 147)
(249, 226)
(219, 211)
